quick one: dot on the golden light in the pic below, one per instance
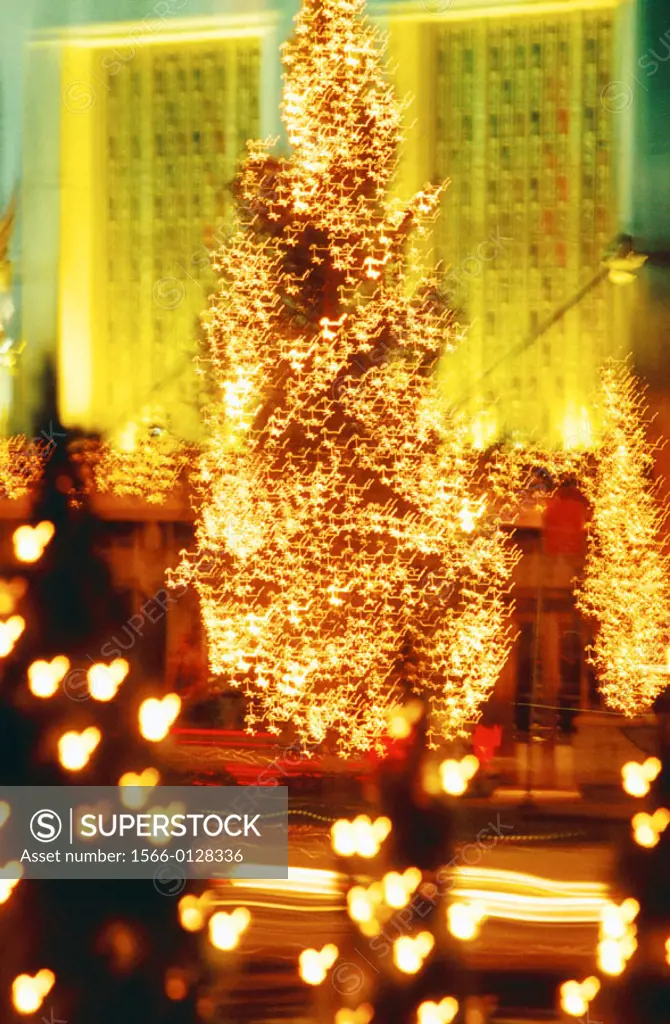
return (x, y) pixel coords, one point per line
(104, 680)
(7, 885)
(576, 996)
(314, 964)
(22, 462)
(362, 1015)
(135, 788)
(625, 542)
(225, 930)
(402, 719)
(75, 748)
(10, 631)
(28, 992)
(361, 904)
(176, 984)
(455, 775)
(399, 888)
(453, 781)
(10, 593)
(347, 579)
(191, 912)
(5, 811)
(637, 778)
(140, 462)
(361, 837)
(667, 951)
(44, 677)
(463, 920)
(647, 828)
(437, 1013)
(611, 959)
(617, 941)
(30, 542)
(409, 953)
(157, 715)
(520, 896)
(469, 514)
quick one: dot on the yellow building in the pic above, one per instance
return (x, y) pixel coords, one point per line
(511, 101)
(153, 123)
(514, 103)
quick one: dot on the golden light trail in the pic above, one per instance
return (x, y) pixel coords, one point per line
(518, 896)
(505, 895)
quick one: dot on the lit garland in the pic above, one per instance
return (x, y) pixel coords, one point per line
(626, 586)
(21, 464)
(147, 464)
(344, 554)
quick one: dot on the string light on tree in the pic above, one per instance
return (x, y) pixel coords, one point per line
(345, 552)
(626, 583)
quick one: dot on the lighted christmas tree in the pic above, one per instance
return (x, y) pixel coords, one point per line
(626, 585)
(345, 554)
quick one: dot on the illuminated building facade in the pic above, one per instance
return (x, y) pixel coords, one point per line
(141, 125)
(513, 109)
(159, 158)
(510, 102)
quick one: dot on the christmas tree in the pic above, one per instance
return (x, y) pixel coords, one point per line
(78, 950)
(345, 552)
(625, 588)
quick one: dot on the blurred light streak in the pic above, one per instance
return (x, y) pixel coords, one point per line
(506, 895)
